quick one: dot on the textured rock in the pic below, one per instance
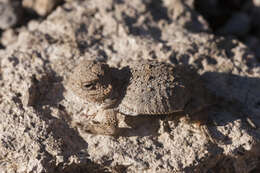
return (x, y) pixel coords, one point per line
(37, 126)
(182, 13)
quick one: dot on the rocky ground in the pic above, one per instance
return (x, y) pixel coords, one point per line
(39, 114)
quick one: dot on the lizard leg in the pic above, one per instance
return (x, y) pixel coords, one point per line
(104, 123)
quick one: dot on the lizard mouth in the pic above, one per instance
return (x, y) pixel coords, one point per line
(101, 93)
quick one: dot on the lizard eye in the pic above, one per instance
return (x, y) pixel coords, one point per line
(89, 86)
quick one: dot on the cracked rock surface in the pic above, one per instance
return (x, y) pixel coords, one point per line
(39, 114)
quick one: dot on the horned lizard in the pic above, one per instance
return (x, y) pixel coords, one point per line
(142, 88)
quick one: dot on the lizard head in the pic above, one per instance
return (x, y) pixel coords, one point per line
(92, 81)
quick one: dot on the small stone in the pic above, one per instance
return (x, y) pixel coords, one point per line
(9, 36)
(256, 3)
(42, 7)
(10, 12)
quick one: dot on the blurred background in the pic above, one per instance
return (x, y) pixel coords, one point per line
(238, 18)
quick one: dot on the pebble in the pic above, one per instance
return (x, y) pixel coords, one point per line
(41, 7)
(9, 13)
(256, 3)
